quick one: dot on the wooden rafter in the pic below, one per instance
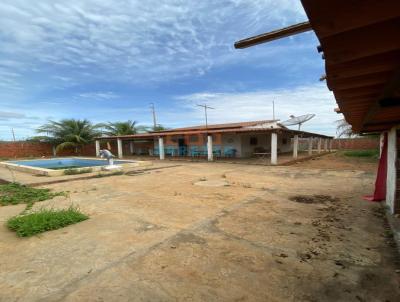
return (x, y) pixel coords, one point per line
(274, 35)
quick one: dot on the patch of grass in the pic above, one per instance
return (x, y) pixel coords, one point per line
(44, 220)
(77, 171)
(100, 175)
(15, 193)
(362, 153)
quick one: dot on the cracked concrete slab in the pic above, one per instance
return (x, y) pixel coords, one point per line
(159, 237)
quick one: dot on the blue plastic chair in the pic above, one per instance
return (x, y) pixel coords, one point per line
(230, 152)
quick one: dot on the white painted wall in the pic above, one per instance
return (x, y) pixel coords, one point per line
(263, 141)
(285, 148)
(391, 169)
(232, 141)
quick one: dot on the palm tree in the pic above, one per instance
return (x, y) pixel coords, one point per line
(69, 133)
(120, 128)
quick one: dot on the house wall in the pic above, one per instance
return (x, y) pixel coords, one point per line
(199, 140)
(264, 142)
(233, 141)
(237, 141)
(285, 142)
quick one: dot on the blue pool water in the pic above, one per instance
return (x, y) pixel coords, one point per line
(65, 163)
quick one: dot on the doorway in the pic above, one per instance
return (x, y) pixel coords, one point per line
(182, 147)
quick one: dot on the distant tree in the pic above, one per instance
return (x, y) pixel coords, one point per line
(68, 133)
(147, 129)
(120, 128)
(343, 129)
(159, 127)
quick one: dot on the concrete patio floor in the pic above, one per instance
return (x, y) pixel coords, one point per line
(208, 232)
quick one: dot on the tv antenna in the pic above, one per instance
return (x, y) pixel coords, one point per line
(153, 110)
(299, 120)
(205, 106)
(13, 134)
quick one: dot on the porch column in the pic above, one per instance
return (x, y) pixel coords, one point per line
(97, 144)
(310, 145)
(274, 148)
(325, 144)
(131, 147)
(319, 144)
(119, 144)
(295, 146)
(330, 144)
(391, 169)
(210, 148)
(161, 148)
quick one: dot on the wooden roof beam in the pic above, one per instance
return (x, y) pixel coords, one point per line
(331, 17)
(367, 65)
(362, 42)
(274, 35)
(391, 91)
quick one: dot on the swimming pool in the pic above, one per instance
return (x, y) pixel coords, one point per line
(57, 166)
(66, 163)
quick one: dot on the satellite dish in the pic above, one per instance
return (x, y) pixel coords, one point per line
(299, 120)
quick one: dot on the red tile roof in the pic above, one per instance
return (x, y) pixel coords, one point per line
(242, 127)
(222, 126)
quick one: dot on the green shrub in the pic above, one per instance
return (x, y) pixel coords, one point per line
(44, 220)
(15, 193)
(77, 171)
(362, 153)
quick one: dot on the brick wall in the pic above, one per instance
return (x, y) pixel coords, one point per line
(37, 149)
(363, 143)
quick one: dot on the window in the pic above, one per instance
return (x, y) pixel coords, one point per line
(253, 141)
(284, 140)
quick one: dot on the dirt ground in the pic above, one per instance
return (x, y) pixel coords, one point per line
(210, 232)
(338, 161)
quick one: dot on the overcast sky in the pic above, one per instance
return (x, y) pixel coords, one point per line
(106, 60)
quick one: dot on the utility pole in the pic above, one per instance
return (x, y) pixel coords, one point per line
(13, 134)
(153, 110)
(273, 110)
(205, 112)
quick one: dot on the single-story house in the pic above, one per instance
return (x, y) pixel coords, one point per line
(239, 140)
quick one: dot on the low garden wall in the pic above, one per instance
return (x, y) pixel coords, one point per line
(362, 143)
(23, 149)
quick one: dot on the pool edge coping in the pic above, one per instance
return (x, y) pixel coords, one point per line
(60, 172)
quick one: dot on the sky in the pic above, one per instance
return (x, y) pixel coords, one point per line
(107, 60)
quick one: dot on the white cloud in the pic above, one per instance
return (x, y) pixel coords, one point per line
(132, 40)
(95, 96)
(257, 105)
